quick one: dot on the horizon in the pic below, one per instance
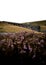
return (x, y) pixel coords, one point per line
(23, 22)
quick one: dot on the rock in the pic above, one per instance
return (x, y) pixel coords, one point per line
(37, 28)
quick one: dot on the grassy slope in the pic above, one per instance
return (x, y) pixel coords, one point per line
(5, 27)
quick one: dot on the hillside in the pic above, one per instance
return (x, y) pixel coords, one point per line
(22, 44)
(42, 24)
(39, 26)
(6, 27)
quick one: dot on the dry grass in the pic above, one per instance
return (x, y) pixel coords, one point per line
(12, 28)
(5, 27)
(43, 28)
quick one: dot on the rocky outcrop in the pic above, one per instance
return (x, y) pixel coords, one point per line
(37, 28)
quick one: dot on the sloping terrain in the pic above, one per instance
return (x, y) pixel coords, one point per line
(24, 45)
(6, 27)
(36, 25)
(42, 24)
